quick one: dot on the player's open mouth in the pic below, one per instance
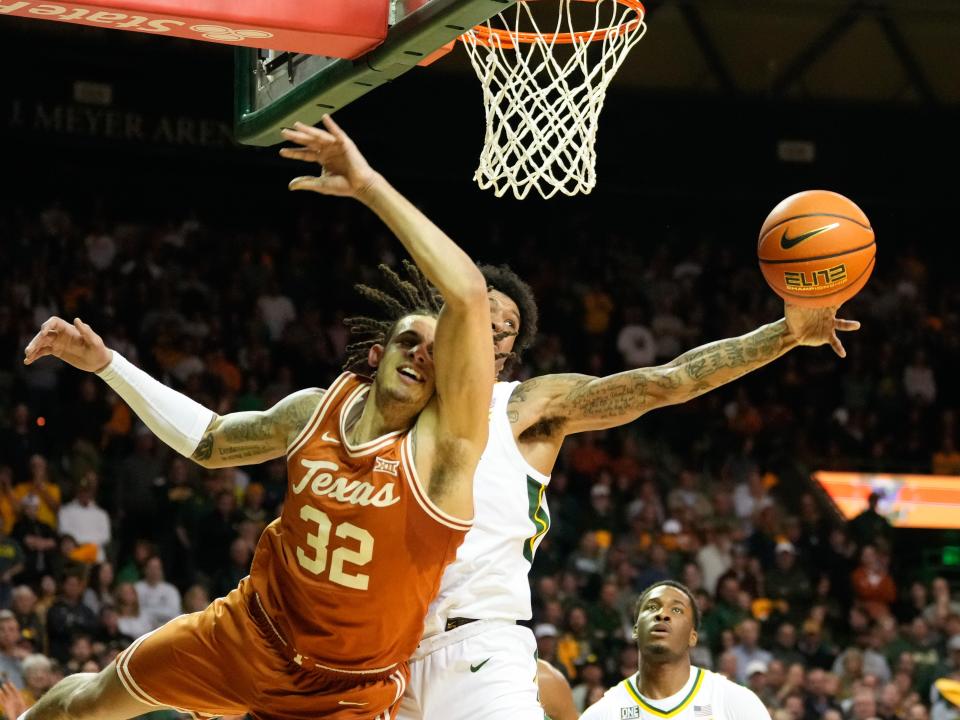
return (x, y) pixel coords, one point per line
(660, 629)
(410, 375)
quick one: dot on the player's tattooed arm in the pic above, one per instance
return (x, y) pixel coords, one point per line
(569, 403)
(565, 404)
(247, 438)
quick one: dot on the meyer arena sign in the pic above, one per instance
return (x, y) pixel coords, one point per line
(345, 28)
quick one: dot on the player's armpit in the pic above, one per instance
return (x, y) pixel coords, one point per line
(248, 438)
(455, 426)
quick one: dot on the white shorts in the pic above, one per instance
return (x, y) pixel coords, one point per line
(485, 669)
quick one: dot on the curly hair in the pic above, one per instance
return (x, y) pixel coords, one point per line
(415, 296)
(502, 278)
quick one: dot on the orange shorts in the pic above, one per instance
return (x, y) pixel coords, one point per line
(226, 660)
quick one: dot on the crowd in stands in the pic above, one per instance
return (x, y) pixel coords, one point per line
(106, 534)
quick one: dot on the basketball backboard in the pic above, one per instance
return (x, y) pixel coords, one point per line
(275, 87)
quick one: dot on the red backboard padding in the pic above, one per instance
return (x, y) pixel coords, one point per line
(340, 28)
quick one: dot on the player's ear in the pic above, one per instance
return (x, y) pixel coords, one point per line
(375, 355)
(693, 638)
(636, 632)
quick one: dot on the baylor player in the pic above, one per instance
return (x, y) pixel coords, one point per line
(667, 685)
(475, 661)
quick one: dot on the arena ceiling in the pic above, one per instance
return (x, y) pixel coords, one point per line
(904, 52)
(900, 51)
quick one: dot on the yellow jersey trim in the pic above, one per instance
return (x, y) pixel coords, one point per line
(537, 520)
(635, 694)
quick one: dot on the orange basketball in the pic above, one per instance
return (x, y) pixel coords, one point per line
(816, 249)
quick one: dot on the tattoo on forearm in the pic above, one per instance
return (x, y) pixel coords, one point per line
(204, 449)
(246, 451)
(741, 355)
(625, 396)
(609, 398)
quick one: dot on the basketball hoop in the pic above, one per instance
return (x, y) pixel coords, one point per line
(543, 93)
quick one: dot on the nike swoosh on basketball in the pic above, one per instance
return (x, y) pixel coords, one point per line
(327, 437)
(474, 668)
(790, 242)
(349, 702)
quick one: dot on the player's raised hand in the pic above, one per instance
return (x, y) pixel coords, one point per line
(818, 326)
(345, 171)
(75, 343)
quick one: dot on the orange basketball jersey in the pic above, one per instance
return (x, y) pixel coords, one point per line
(347, 571)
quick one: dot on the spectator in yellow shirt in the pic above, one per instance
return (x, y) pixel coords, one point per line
(43, 488)
(8, 503)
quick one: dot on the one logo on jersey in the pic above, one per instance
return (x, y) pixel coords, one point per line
(319, 477)
(386, 466)
(327, 437)
(702, 711)
(474, 668)
(629, 713)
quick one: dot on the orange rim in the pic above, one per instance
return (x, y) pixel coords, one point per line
(484, 35)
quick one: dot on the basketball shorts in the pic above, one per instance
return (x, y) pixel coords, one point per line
(227, 660)
(480, 671)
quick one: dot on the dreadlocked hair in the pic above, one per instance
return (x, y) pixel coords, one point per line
(502, 278)
(413, 296)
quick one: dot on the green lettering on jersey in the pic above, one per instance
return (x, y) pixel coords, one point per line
(539, 516)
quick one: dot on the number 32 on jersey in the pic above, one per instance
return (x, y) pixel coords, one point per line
(317, 563)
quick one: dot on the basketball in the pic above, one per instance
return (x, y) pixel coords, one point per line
(816, 249)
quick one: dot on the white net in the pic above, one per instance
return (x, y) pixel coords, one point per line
(543, 94)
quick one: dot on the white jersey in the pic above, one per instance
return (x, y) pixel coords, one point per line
(488, 580)
(705, 696)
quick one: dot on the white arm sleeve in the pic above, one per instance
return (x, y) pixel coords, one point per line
(173, 417)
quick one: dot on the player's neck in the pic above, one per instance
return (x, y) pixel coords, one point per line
(377, 419)
(661, 680)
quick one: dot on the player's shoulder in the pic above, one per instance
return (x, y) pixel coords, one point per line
(297, 407)
(545, 387)
(737, 699)
(311, 394)
(611, 705)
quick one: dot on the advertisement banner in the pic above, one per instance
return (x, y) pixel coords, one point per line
(907, 501)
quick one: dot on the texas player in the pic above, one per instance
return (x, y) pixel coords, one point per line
(380, 497)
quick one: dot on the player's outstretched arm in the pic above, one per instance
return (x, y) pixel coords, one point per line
(186, 426)
(580, 403)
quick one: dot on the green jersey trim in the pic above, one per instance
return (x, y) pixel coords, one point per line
(538, 516)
